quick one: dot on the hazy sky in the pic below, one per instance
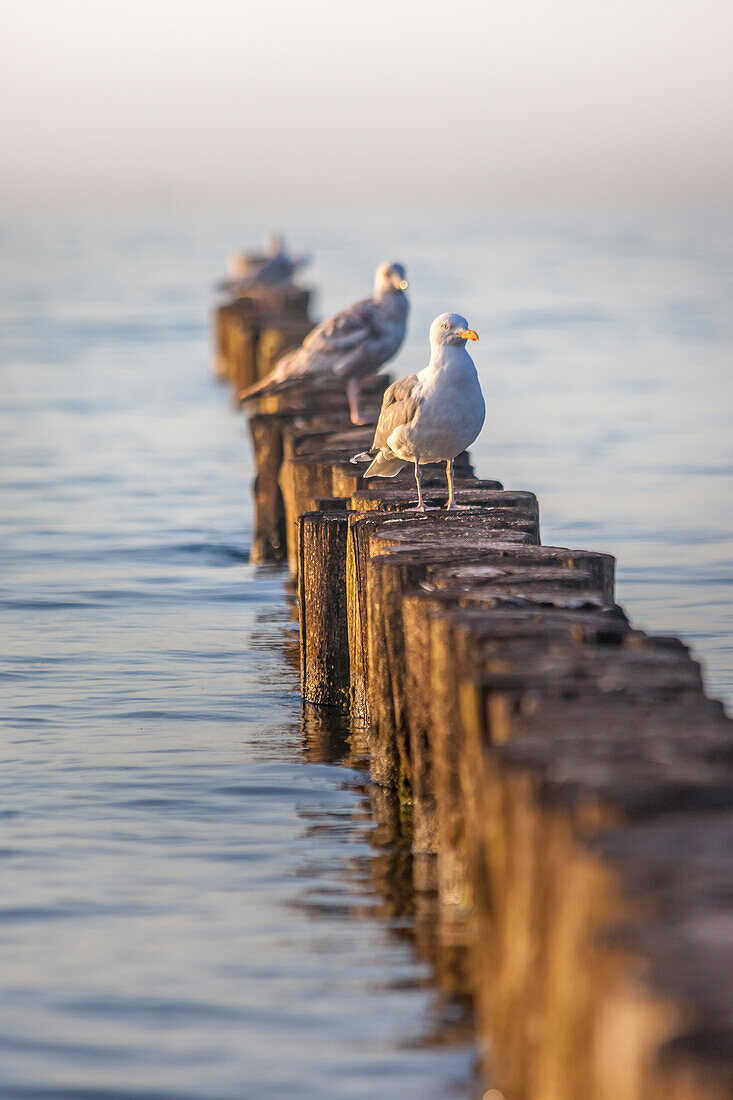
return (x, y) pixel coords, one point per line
(241, 103)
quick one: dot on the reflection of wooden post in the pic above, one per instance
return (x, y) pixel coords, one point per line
(324, 645)
(326, 734)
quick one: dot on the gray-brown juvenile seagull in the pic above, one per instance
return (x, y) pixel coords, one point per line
(351, 345)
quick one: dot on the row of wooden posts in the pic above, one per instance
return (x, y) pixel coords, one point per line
(564, 775)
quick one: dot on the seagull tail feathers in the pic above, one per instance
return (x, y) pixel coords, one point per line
(285, 375)
(384, 466)
(265, 387)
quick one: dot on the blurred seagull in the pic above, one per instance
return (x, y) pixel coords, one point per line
(351, 345)
(274, 268)
(431, 416)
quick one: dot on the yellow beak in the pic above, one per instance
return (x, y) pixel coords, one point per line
(467, 334)
(402, 284)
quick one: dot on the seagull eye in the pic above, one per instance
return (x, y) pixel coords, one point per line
(446, 325)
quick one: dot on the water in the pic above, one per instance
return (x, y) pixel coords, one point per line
(202, 899)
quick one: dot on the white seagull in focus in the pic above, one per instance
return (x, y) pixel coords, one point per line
(431, 416)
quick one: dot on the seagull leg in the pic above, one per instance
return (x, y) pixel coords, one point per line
(449, 474)
(353, 391)
(420, 504)
(451, 505)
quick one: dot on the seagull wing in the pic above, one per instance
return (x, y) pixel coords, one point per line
(324, 349)
(399, 405)
(346, 330)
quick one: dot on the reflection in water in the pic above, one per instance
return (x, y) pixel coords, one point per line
(404, 885)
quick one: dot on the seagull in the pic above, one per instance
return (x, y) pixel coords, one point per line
(431, 416)
(274, 268)
(351, 345)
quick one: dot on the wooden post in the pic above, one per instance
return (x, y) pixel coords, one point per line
(324, 647)
(221, 334)
(547, 895)
(242, 336)
(268, 543)
(308, 482)
(276, 340)
(416, 632)
(388, 745)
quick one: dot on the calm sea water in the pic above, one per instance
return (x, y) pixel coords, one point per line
(199, 901)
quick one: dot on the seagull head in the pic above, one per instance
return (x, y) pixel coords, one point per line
(275, 245)
(452, 329)
(389, 277)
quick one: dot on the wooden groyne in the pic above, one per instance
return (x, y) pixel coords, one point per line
(561, 778)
